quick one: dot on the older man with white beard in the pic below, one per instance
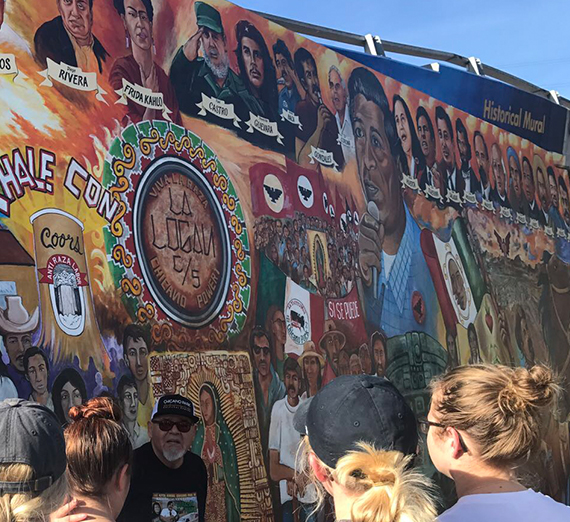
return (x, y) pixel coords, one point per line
(210, 75)
(164, 468)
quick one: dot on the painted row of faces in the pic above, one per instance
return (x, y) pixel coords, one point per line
(68, 387)
(30, 365)
(453, 170)
(255, 89)
(295, 96)
(318, 365)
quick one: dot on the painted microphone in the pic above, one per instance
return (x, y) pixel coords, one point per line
(320, 97)
(375, 213)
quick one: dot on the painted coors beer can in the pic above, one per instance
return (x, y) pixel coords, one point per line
(68, 317)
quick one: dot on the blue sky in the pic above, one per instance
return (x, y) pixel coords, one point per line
(530, 39)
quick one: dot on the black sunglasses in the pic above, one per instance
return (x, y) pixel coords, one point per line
(425, 425)
(257, 350)
(167, 425)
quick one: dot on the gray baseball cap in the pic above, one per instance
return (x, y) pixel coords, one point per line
(31, 434)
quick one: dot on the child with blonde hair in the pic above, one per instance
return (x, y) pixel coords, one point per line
(361, 439)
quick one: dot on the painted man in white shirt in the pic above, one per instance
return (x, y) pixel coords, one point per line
(283, 444)
(339, 97)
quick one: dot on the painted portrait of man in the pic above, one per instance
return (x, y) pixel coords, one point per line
(210, 74)
(455, 184)
(554, 216)
(318, 126)
(17, 326)
(365, 359)
(482, 159)
(543, 191)
(331, 343)
(135, 354)
(69, 38)
(256, 70)
(36, 367)
(379, 343)
(283, 445)
(289, 95)
(499, 194)
(467, 174)
(128, 396)
(529, 189)
(267, 385)
(339, 95)
(515, 194)
(392, 263)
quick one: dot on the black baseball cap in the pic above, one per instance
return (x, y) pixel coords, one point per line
(31, 434)
(174, 405)
(357, 408)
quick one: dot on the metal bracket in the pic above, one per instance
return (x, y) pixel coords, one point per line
(554, 96)
(474, 65)
(373, 45)
(434, 66)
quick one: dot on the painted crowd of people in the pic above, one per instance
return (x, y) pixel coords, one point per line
(286, 244)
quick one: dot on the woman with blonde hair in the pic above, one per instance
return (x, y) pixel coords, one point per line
(32, 462)
(361, 438)
(483, 425)
(99, 456)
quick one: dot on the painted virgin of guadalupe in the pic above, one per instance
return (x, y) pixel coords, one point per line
(320, 261)
(214, 443)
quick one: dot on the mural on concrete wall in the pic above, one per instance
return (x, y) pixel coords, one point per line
(196, 200)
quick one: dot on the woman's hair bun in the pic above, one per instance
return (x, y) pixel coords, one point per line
(529, 389)
(98, 408)
(546, 384)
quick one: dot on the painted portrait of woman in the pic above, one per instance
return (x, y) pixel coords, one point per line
(68, 390)
(214, 443)
(138, 66)
(412, 160)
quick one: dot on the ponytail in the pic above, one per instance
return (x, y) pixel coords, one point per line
(26, 506)
(388, 489)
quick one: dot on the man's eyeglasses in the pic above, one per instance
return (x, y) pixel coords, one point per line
(167, 425)
(257, 350)
(425, 425)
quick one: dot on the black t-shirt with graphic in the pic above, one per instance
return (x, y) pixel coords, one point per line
(157, 489)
